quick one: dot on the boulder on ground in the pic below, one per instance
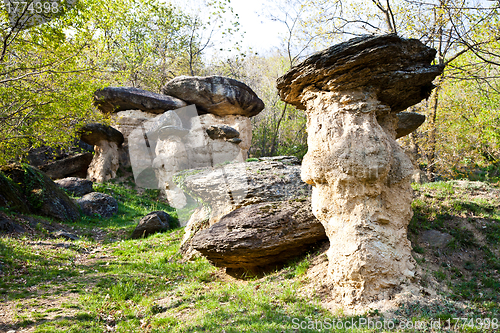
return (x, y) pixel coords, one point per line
(218, 95)
(152, 223)
(65, 235)
(75, 186)
(96, 203)
(257, 236)
(114, 99)
(224, 189)
(435, 238)
(94, 133)
(41, 194)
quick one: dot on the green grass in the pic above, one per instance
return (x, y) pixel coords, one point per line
(145, 286)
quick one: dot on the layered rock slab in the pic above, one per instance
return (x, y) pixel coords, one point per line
(254, 237)
(115, 99)
(408, 122)
(398, 71)
(217, 95)
(360, 175)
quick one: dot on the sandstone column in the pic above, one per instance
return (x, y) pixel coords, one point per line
(106, 141)
(361, 177)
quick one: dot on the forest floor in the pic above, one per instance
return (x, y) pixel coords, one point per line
(106, 282)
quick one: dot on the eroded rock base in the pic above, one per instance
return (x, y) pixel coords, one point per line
(361, 194)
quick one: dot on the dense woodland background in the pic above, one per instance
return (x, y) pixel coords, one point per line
(48, 73)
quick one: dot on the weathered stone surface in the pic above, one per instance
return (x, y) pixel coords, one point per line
(256, 236)
(152, 223)
(218, 95)
(41, 194)
(105, 162)
(76, 186)
(96, 203)
(76, 165)
(408, 122)
(205, 152)
(114, 99)
(94, 133)
(232, 186)
(216, 132)
(360, 175)
(397, 71)
(127, 121)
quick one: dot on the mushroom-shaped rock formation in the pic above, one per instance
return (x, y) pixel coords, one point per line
(408, 122)
(218, 95)
(396, 71)
(106, 141)
(114, 99)
(94, 133)
(360, 175)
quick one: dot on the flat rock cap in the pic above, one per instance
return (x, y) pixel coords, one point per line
(94, 133)
(115, 99)
(218, 95)
(398, 70)
(408, 122)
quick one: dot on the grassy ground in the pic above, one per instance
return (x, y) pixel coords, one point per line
(105, 282)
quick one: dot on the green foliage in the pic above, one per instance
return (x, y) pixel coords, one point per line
(48, 73)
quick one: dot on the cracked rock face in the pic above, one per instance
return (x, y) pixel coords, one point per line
(360, 175)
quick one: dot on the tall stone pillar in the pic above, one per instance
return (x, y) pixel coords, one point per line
(352, 93)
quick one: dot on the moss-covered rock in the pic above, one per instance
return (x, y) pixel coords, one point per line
(11, 196)
(39, 193)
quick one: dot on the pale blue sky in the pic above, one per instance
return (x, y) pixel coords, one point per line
(262, 34)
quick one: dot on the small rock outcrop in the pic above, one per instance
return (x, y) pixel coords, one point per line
(360, 175)
(100, 204)
(75, 186)
(114, 99)
(94, 133)
(150, 224)
(217, 95)
(106, 141)
(255, 237)
(39, 193)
